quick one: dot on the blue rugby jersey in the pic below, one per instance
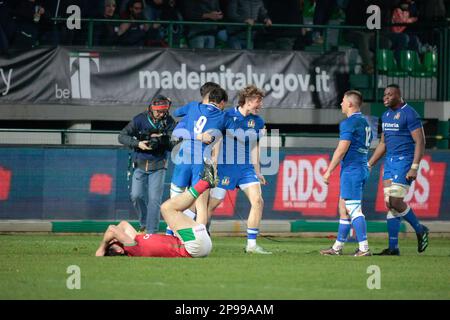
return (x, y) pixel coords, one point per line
(397, 126)
(245, 128)
(355, 129)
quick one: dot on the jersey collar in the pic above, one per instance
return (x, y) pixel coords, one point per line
(212, 105)
(355, 113)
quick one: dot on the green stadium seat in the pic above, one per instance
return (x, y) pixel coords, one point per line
(409, 61)
(386, 64)
(430, 62)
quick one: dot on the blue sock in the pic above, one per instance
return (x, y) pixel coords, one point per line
(359, 224)
(393, 226)
(412, 220)
(343, 230)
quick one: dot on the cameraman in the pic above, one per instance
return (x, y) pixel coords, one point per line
(148, 134)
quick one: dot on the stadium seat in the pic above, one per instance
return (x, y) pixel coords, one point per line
(410, 62)
(386, 64)
(430, 62)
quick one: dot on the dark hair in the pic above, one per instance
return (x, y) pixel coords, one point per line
(393, 85)
(218, 95)
(160, 102)
(207, 87)
(110, 252)
(355, 93)
(132, 2)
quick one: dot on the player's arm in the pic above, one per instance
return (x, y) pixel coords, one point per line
(379, 152)
(182, 111)
(255, 156)
(419, 150)
(338, 155)
(216, 150)
(127, 137)
(113, 232)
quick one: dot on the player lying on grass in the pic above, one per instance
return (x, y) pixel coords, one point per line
(191, 238)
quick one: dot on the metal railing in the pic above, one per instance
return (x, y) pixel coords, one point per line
(443, 74)
(441, 138)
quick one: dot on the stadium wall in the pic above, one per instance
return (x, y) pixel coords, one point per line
(80, 183)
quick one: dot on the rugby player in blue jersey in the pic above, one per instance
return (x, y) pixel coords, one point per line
(355, 136)
(240, 165)
(200, 118)
(403, 142)
(181, 112)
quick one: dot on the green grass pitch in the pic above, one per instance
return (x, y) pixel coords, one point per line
(35, 267)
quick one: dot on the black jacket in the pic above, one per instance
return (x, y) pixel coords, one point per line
(140, 128)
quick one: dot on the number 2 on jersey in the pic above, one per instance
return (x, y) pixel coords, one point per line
(200, 124)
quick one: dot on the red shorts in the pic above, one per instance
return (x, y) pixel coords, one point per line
(157, 245)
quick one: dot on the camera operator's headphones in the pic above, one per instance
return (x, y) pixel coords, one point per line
(160, 103)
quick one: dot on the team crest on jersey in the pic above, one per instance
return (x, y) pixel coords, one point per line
(397, 116)
(251, 123)
(226, 181)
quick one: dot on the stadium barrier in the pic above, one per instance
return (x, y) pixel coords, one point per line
(81, 183)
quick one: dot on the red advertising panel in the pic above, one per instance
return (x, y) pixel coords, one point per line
(101, 184)
(300, 187)
(226, 208)
(5, 183)
(424, 195)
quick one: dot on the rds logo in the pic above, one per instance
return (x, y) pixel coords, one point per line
(300, 186)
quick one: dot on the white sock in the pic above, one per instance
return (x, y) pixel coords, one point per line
(364, 246)
(338, 245)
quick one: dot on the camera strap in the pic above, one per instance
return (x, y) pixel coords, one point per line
(155, 126)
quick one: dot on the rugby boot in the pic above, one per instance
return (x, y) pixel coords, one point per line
(331, 252)
(388, 252)
(422, 239)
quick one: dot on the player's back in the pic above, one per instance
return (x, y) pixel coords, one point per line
(358, 132)
(199, 119)
(157, 245)
(182, 112)
(203, 117)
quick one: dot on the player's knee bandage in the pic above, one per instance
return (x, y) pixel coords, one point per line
(392, 213)
(386, 194)
(396, 190)
(218, 193)
(354, 208)
(175, 190)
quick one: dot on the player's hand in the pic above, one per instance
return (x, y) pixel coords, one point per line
(326, 177)
(261, 179)
(100, 252)
(411, 175)
(143, 145)
(206, 138)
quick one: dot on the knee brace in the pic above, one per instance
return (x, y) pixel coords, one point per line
(354, 208)
(175, 190)
(396, 190)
